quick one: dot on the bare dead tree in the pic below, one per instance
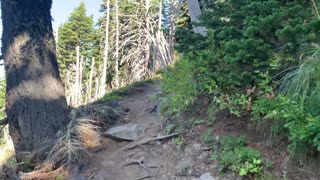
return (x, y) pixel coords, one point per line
(117, 46)
(106, 52)
(90, 80)
(195, 12)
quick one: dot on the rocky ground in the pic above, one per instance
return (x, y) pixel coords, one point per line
(151, 155)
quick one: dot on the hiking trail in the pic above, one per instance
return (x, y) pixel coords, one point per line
(152, 160)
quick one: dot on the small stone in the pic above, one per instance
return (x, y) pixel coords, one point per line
(184, 165)
(207, 176)
(125, 109)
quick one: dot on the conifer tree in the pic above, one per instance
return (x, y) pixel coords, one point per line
(77, 31)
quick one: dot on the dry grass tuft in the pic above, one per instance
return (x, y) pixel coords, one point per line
(69, 149)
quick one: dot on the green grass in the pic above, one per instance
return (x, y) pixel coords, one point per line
(125, 91)
(303, 82)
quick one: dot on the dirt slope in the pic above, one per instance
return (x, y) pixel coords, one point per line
(159, 160)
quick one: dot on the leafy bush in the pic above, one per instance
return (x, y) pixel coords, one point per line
(301, 127)
(207, 137)
(179, 142)
(235, 156)
(235, 104)
(298, 107)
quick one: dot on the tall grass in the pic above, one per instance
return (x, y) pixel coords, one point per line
(304, 82)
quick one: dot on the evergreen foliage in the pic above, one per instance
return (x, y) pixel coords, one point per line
(250, 37)
(77, 31)
(253, 50)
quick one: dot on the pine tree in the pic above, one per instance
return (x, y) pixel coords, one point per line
(77, 31)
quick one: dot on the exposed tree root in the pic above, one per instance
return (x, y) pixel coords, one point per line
(44, 175)
(146, 177)
(146, 140)
(136, 161)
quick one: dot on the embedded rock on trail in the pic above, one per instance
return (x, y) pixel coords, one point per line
(128, 132)
(207, 176)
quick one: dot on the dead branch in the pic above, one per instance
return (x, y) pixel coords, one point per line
(146, 140)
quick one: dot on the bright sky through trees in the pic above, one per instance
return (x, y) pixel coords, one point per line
(61, 10)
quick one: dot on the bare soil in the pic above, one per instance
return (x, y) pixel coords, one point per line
(159, 160)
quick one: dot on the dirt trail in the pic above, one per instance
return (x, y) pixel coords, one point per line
(159, 160)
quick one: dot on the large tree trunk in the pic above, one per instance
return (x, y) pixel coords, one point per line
(195, 12)
(36, 106)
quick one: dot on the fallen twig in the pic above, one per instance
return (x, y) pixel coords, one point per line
(146, 140)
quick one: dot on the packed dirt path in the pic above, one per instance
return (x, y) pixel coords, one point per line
(156, 160)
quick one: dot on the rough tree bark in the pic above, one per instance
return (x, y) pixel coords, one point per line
(195, 12)
(36, 106)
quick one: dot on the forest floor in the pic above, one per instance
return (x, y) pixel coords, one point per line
(182, 157)
(160, 160)
(174, 149)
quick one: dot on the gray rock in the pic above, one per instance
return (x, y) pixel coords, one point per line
(129, 132)
(207, 176)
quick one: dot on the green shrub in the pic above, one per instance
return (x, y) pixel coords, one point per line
(207, 137)
(247, 38)
(179, 142)
(235, 156)
(231, 143)
(196, 122)
(301, 127)
(236, 104)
